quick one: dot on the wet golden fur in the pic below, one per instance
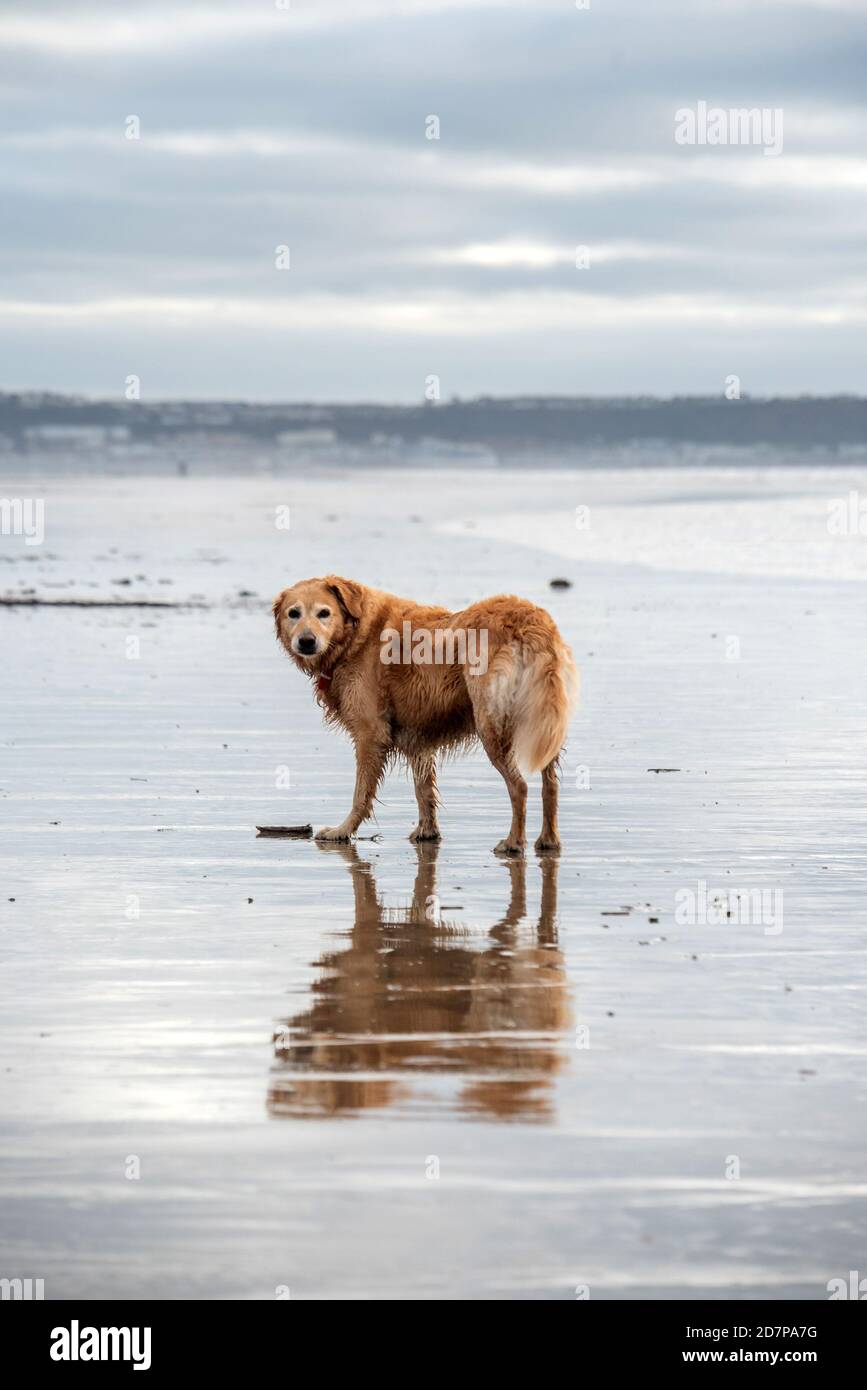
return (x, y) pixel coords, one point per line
(517, 707)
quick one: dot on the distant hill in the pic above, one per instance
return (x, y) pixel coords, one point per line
(511, 424)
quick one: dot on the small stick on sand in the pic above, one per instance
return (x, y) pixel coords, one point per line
(290, 832)
(299, 832)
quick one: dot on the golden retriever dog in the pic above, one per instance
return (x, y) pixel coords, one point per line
(409, 680)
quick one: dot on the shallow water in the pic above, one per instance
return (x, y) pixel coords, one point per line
(383, 1070)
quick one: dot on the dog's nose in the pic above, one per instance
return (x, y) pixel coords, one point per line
(307, 644)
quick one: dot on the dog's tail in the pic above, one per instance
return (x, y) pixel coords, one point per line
(544, 700)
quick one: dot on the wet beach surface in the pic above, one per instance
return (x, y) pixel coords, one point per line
(230, 1065)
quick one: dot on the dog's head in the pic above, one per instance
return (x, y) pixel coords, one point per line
(316, 617)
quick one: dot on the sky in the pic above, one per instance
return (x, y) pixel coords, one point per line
(346, 200)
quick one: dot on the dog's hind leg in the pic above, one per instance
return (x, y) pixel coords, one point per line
(499, 750)
(424, 772)
(549, 838)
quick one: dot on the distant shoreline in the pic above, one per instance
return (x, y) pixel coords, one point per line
(444, 431)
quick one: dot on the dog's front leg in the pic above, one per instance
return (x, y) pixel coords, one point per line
(424, 771)
(370, 765)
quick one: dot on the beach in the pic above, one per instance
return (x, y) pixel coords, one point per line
(245, 1068)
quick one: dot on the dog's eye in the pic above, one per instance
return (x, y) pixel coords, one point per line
(293, 613)
(324, 613)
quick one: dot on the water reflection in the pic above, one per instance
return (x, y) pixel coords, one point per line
(419, 1012)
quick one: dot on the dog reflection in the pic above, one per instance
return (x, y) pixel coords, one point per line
(411, 1014)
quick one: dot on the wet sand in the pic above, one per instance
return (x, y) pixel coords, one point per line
(389, 1071)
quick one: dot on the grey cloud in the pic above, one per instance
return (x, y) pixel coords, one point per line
(370, 208)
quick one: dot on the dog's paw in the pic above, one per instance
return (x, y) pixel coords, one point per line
(509, 847)
(425, 833)
(547, 845)
(333, 833)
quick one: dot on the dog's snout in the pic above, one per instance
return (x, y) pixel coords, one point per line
(307, 644)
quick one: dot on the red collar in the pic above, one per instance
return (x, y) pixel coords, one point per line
(325, 679)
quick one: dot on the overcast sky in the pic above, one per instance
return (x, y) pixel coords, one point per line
(306, 126)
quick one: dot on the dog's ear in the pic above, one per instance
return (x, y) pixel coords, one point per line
(349, 595)
(275, 609)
